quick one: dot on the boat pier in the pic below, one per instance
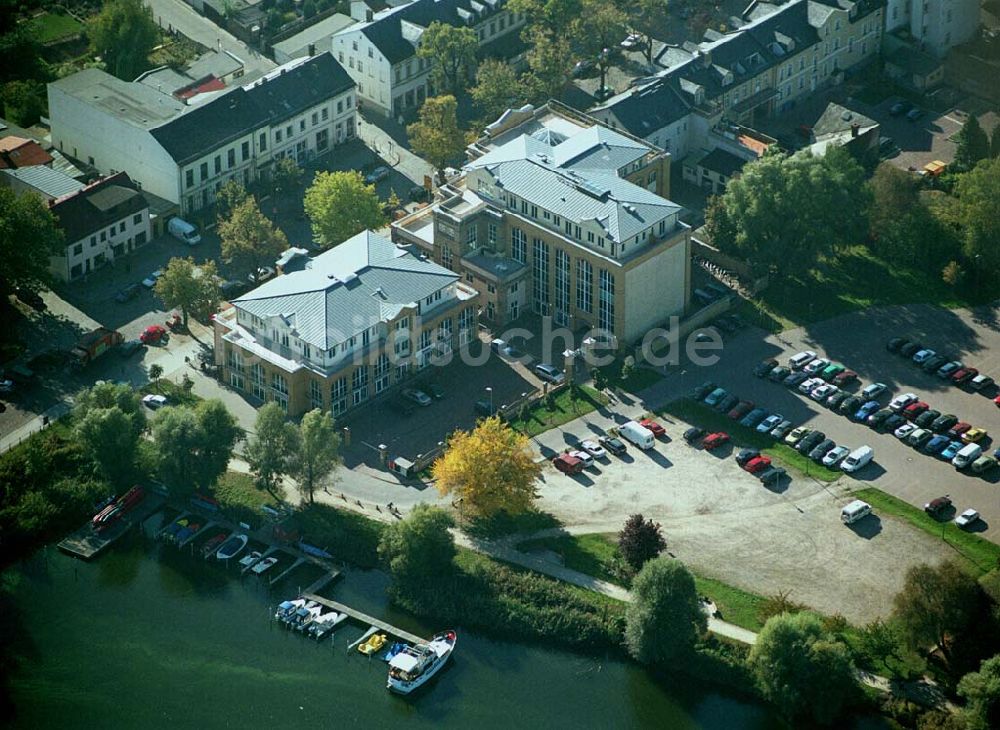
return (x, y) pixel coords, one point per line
(190, 538)
(86, 543)
(298, 561)
(364, 618)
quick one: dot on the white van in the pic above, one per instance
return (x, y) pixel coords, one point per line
(857, 459)
(855, 511)
(968, 454)
(638, 435)
(799, 361)
(183, 231)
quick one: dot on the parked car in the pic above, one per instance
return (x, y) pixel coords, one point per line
(378, 174)
(902, 401)
(981, 382)
(936, 445)
(769, 423)
(983, 464)
(943, 423)
(153, 334)
(764, 367)
(757, 464)
(874, 391)
(878, 418)
(549, 373)
(821, 449)
(909, 349)
(745, 455)
(129, 293)
(754, 417)
(797, 435)
(951, 450)
(800, 359)
(580, 68)
(948, 369)
(918, 437)
(834, 401)
(845, 378)
(835, 456)
(810, 385)
(895, 343)
(810, 441)
(816, 366)
(794, 380)
(416, 396)
(715, 396)
(925, 419)
(567, 464)
(772, 475)
(154, 401)
(822, 392)
(974, 435)
(922, 356)
(727, 404)
(715, 440)
(850, 406)
(861, 415)
(779, 374)
(963, 375)
(958, 429)
(967, 519)
(703, 390)
(832, 371)
(938, 506)
(150, 281)
(694, 434)
(130, 347)
(932, 365)
(612, 444)
(904, 431)
(586, 459)
(653, 426)
(741, 409)
(781, 429)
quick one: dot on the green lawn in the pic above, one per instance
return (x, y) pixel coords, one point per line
(55, 26)
(503, 524)
(981, 554)
(239, 497)
(855, 279)
(638, 379)
(701, 415)
(346, 535)
(176, 394)
(541, 417)
(735, 605)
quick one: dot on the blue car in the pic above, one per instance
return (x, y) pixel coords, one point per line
(754, 417)
(866, 410)
(936, 445)
(951, 450)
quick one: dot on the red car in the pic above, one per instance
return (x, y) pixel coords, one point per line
(741, 409)
(963, 375)
(653, 426)
(152, 334)
(567, 464)
(996, 401)
(758, 464)
(845, 378)
(715, 440)
(914, 409)
(958, 429)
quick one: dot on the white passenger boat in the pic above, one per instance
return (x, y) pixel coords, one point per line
(415, 665)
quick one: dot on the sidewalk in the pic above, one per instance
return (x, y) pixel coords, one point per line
(382, 143)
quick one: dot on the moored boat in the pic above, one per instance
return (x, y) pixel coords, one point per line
(232, 547)
(373, 644)
(250, 559)
(415, 665)
(303, 615)
(323, 625)
(286, 608)
(212, 544)
(263, 565)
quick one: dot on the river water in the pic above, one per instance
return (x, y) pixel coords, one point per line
(146, 636)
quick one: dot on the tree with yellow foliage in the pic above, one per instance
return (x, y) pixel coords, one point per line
(490, 469)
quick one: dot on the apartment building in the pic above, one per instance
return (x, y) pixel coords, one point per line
(380, 52)
(934, 25)
(547, 222)
(185, 154)
(101, 222)
(764, 68)
(344, 329)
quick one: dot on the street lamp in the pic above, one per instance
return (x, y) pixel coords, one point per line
(490, 391)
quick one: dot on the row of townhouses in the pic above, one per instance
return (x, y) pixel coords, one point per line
(184, 147)
(380, 53)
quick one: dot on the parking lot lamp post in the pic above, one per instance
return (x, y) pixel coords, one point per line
(490, 391)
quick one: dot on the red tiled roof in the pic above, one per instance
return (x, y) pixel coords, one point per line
(19, 152)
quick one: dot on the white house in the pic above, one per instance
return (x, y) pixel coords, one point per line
(380, 52)
(184, 154)
(935, 25)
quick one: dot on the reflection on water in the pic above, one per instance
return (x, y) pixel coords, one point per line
(147, 636)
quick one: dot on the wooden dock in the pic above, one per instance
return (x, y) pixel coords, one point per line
(286, 571)
(191, 538)
(86, 543)
(366, 619)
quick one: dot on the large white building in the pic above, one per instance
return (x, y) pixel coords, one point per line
(935, 25)
(380, 53)
(183, 153)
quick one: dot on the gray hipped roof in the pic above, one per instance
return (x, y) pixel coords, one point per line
(365, 280)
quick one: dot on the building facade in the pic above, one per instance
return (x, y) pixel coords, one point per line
(380, 53)
(103, 221)
(186, 154)
(548, 223)
(347, 328)
(934, 25)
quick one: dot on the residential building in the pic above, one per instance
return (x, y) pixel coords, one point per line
(18, 152)
(101, 222)
(319, 35)
(839, 126)
(43, 181)
(184, 153)
(781, 55)
(914, 68)
(934, 25)
(380, 52)
(548, 223)
(353, 323)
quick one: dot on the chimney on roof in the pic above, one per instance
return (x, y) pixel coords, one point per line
(312, 50)
(855, 128)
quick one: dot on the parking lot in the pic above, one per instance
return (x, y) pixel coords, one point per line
(921, 141)
(724, 524)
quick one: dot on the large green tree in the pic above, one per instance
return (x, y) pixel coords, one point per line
(800, 668)
(123, 34)
(935, 607)
(551, 15)
(189, 288)
(978, 193)
(318, 454)
(108, 439)
(249, 239)
(419, 549)
(550, 61)
(973, 145)
(981, 691)
(24, 220)
(665, 617)
(597, 31)
(451, 51)
(640, 540)
(194, 445)
(269, 451)
(497, 89)
(436, 135)
(340, 205)
(783, 212)
(112, 395)
(221, 431)
(646, 18)
(23, 101)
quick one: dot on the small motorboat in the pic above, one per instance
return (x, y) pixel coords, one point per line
(323, 625)
(286, 608)
(212, 544)
(373, 644)
(303, 616)
(187, 531)
(415, 665)
(248, 560)
(263, 565)
(397, 647)
(232, 547)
